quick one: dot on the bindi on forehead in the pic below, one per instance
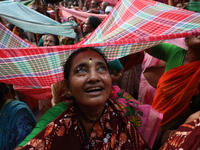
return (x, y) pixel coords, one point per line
(90, 60)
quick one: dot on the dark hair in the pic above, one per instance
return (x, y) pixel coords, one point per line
(68, 63)
(72, 17)
(10, 26)
(96, 2)
(94, 21)
(195, 103)
(76, 3)
(55, 38)
(3, 91)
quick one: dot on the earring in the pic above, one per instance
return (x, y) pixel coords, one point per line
(69, 93)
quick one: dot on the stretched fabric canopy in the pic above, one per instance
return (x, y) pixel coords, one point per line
(31, 20)
(10, 40)
(132, 26)
(135, 25)
(65, 13)
(28, 3)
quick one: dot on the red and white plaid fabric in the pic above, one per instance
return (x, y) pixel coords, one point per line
(132, 26)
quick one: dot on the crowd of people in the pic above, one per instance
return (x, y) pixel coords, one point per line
(91, 110)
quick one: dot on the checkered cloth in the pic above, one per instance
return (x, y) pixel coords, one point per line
(136, 25)
(10, 40)
(33, 21)
(132, 26)
(81, 15)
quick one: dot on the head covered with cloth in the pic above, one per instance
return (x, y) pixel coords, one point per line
(96, 117)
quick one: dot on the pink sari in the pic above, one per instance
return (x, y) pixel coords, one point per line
(142, 116)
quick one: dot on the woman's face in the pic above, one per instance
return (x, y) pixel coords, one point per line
(193, 42)
(71, 19)
(87, 27)
(89, 79)
(49, 41)
(94, 4)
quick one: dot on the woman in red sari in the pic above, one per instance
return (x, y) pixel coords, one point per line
(92, 120)
(180, 82)
(187, 136)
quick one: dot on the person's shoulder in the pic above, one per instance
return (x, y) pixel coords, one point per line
(166, 47)
(61, 106)
(21, 108)
(55, 111)
(170, 45)
(16, 109)
(16, 104)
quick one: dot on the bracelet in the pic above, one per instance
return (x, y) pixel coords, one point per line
(172, 132)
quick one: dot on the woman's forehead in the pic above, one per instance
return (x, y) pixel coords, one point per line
(88, 55)
(50, 37)
(71, 17)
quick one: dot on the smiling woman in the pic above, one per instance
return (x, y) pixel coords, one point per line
(95, 116)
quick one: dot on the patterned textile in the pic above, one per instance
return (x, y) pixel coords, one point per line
(186, 137)
(145, 119)
(132, 26)
(146, 91)
(174, 93)
(112, 131)
(31, 20)
(2, 46)
(139, 24)
(65, 13)
(17, 120)
(142, 116)
(10, 40)
(36, 92)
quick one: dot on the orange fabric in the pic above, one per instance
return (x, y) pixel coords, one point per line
(175, 90)
(16, 30)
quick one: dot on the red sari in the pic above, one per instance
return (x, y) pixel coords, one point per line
(112, 131)
(175, 90)
(186, 137)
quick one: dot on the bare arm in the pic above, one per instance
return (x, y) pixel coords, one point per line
(153, 74)
(169, 133)
(171, 2)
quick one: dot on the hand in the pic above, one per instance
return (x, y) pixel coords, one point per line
(193, 117)
(78, 31)
(114, 78)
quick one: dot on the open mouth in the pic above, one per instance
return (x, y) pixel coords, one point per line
(95, 89)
